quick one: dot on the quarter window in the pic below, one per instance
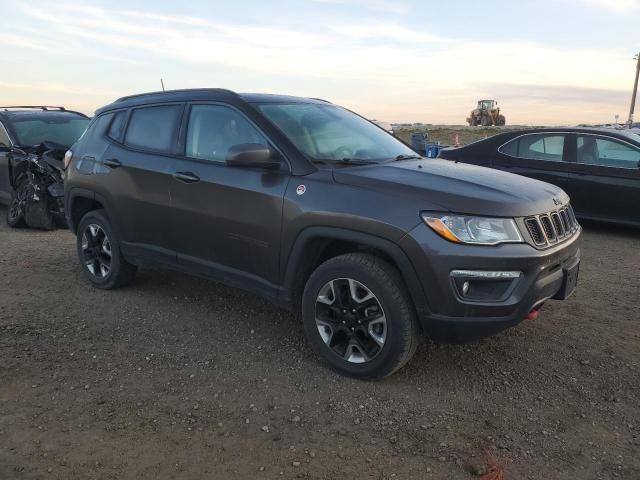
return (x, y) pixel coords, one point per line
(606, 152)
(214, 129)
(536, 147)
(4, 138)
(153, 128)
(511, 148)
(117, 126)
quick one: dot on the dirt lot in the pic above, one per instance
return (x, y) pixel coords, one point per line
(176, 377)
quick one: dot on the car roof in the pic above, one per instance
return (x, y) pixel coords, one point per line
(203, 94)
(36, 114)
(626, 135)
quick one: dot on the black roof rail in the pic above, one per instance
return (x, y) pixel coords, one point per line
(321, 100)
(184, 90)
(38, 107)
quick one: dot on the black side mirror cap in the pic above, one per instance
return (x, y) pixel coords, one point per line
(253, 155)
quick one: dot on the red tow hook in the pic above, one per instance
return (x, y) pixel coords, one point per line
(532, 315)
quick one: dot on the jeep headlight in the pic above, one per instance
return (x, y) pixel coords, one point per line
(474, 230)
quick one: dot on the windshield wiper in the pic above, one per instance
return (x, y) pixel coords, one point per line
(357, 161)
(344, 161)
(408, 157)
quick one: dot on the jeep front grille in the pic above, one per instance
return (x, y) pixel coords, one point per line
(533, 225)
(552, 227)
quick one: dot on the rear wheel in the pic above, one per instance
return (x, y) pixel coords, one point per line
(99, 253)
(358, 316)
(16, 209)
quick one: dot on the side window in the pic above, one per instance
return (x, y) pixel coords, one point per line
(214, 129)
(4, 138)
(606, 152)
(117, 126)
(541, 147)
(153, 128)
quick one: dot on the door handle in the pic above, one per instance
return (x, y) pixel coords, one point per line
(112, 163)
(186, 177)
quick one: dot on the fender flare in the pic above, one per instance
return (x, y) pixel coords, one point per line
(76, 193)
(390, 248)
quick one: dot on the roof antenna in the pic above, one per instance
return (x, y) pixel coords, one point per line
(162, 83)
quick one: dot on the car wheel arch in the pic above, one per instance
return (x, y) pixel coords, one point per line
(315, 245)
(83, 201)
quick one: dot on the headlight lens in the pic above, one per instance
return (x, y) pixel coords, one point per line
(474, 230)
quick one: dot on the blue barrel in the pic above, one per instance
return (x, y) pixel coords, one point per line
(432, 150)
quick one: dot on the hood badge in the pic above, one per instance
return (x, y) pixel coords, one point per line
(301, 189)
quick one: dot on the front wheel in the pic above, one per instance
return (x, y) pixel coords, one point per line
(358, 316)
(16, 209)
(99, 253)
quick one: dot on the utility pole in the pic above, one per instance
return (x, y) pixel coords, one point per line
(635, 91)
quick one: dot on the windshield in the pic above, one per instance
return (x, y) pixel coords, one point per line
(327, 133)
(64, 130)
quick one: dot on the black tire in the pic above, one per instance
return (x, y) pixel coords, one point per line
(16, 208)
(119, 272)
(384, 282)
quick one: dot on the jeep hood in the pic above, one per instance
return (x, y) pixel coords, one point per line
(457, 187)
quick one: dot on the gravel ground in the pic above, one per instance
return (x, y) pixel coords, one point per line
(177, 377)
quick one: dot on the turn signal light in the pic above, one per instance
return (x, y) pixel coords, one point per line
(441, 229)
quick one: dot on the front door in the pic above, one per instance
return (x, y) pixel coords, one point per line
(226, 221)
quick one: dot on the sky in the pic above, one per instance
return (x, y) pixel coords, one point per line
(547, 62)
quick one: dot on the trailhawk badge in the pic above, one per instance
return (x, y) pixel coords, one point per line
(301, 189)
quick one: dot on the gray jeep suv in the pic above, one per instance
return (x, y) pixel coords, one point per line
(322, 212)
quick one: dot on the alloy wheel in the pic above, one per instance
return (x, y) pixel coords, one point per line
(350, 320)
(96, 251)
(17, 205)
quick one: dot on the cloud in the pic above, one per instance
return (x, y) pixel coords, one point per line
(387, 31)
(617, 6)
(21, 41)
(365, 64)
(386, 6)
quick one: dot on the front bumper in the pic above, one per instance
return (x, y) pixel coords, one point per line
(451, 318)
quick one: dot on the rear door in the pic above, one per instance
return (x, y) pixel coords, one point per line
(5, 179)
(138, 164)
(226, 221)
(542, 156)
(606, 176)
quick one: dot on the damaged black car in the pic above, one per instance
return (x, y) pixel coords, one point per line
(33, 142)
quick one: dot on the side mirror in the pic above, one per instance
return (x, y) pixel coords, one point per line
(252, 155)
(4, 148)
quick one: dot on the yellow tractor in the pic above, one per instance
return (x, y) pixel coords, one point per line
(486, 114)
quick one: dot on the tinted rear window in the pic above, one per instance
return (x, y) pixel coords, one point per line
(153, 128)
